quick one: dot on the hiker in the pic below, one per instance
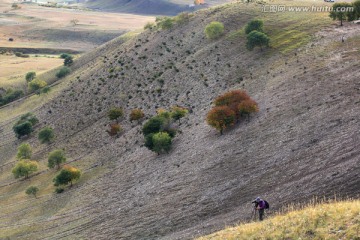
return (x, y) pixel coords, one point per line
(260, 205)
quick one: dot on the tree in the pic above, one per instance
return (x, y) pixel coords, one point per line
(178, 112)
(214, 30)
(55, 158)
(356, 6)
(24, 126)
(67, 175)
(46, 135)
(221, 118)
(63, 72)
(24, 151)
(32, 190)
(64, 55)
(257, 39)
(36, 85)
(256, 25)
(341, 12)
(136, 115)
(161, 142)
(68, 61)
(115, 113)
(153, 125)
(30, 76)
(247, 107)
(24, 168)
(23, 129)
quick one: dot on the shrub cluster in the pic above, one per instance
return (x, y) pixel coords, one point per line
(63, 72)
(24, 126)
(36, 84)
(10, 96)
(230, 108)
(255, 35)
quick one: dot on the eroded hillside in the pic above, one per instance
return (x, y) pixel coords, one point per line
(303, 142)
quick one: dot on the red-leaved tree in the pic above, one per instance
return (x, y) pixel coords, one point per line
(221, 118)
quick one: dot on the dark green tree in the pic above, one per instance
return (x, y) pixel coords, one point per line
(32, 190)
(63, 72)
(23, 129)
(30, 76)
(340, 12)
(67, 175)
(257, 39)
(68, 61)
(153, 125)
(256, 25)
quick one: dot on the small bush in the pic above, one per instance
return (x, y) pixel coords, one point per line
(32, 190)
(24, 151)
(161, 142)
(45, 90)
(221, 118)
(256, 25)
(36, 85)
(115, 128)
(153, 125)
(30, 76)
(115, 113)
(63, 72)
(46, 135)
(178, 112)
(68, 61)
(136, 115)
(214, 30)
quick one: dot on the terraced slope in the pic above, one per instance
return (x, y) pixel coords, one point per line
(303, 142)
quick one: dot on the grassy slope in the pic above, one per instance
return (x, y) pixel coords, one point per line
(120, 195)
(339, 220)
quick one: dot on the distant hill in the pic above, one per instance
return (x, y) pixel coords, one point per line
(149, 7)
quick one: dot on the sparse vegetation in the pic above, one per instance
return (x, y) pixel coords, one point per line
(24, 151)
(24, 168)
(67, 175)
(46, 135)
(32, 190)
(63, 72)
(56, 158)
(214, 30)
(164, 22)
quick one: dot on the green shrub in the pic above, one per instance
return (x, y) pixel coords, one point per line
(23, 129)
(64, 55)
(161, 142)
(182, 18)
(45, 90)
(36, 85)
(24, 151)
(30, 76)
(46, 135)
(55, 158)
(24, 168)
(10, 96)
(32, 190)
(115, 113)
(59, 190)
(178, 112)
(257, 39)
(164, 22)
(149, 26)
(67, 175)
(214, 30)
(63, 72)
(68, 61)
(256, 25)
(153, 125)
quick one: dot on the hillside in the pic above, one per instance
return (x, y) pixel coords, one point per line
(303, 142)
(338, 220)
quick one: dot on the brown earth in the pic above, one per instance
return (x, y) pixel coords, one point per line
(304, 142)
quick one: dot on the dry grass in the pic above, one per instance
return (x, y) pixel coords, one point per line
(337, 220)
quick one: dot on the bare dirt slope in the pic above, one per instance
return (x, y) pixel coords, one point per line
(304, 142)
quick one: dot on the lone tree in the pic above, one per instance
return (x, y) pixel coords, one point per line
(68, 61)
(67, 175)
(32, 190)
(55, 158)
(24, 151)
(214, 30)
(257, 39)
(341, 12)
(115, 113)
(46, 135)
(256, 25)
(24, 168)
(136, 115)
(221, 118)
(30, 76)
(178, 112)
(161, 142)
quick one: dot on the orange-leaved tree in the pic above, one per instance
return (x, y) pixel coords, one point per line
(247, 107)
(221, 118)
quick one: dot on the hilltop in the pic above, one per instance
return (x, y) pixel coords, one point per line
(302, 143)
